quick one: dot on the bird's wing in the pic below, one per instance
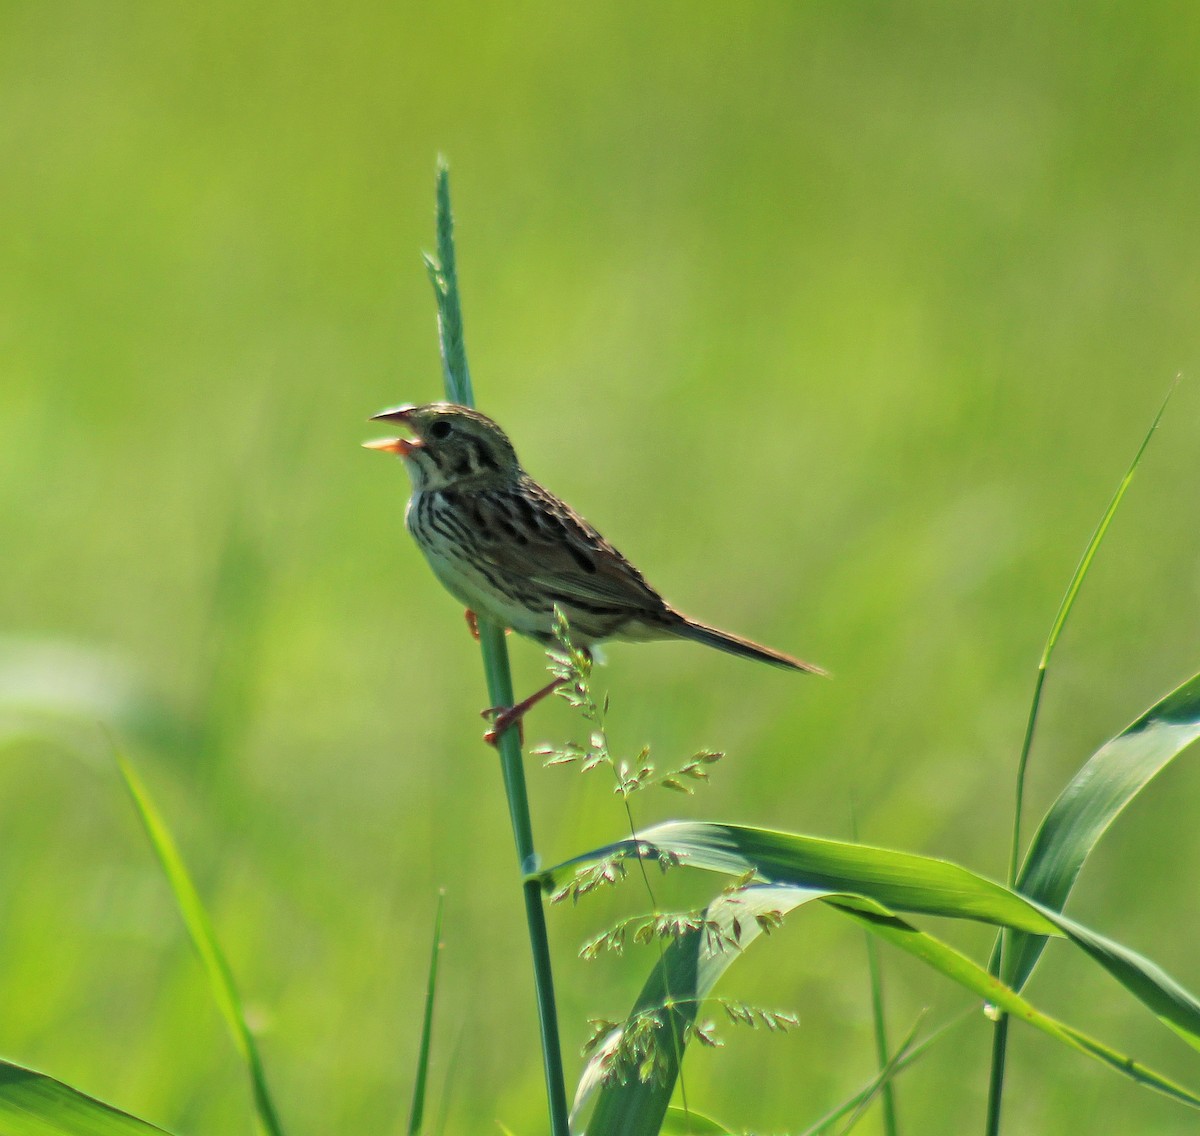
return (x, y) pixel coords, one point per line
(534, 536)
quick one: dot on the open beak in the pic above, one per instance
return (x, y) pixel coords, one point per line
(401, 446)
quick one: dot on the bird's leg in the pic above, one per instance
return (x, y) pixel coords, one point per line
(502, 717)
(473, 624)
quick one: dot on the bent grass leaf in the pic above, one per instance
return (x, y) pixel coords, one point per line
(870, 884)
(1085, 809)
(903, 881)
(633, 1105)
(195, 918)
(33, 1104)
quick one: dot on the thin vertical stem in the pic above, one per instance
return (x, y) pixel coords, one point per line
(996, 964)
(416, 1117)
(443, 274)
(878, 1015)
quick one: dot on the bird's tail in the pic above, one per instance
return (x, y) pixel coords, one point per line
(736, 645)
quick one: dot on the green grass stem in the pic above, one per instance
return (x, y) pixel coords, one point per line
(879, 1019)
(199, 927)
(416, 1116)
(1000, 1027)
(444, 276)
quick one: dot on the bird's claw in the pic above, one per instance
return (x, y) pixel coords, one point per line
(501, 718)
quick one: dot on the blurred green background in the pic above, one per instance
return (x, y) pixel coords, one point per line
(842, 320)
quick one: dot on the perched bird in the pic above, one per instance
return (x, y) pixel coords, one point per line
(511, 551)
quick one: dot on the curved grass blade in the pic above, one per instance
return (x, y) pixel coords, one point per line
(1085, 809)
(32, 1104)
(903, 881)
(632, 1082)
(900, 881)
(195, 919)
(977, 979)
(999, 960)
(636, 1104)
(417, 1115)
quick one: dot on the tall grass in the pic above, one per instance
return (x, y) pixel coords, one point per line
(630, 1083)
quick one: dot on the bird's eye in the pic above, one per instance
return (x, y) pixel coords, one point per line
(440, 429)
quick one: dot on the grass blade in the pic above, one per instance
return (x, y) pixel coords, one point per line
(977, 979)
(879, 1021)
(903, 881)
(1060, 619)
(998, 960)
(1095, 797)
(443, 274)
(628, 1101)
(631, 1099)
(1089, 553)
(417, 1115)
(896, 881)
(879, 1028)
(195, 919)
(32, 1104)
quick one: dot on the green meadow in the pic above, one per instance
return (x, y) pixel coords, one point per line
(843, 321)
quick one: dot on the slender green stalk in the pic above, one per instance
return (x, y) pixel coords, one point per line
(417, 1116)
(443, 274)
(879, 1016)
(887, 1098)
(1000, 1029)
(200, 930)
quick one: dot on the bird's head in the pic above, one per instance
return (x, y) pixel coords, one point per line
(451, 445)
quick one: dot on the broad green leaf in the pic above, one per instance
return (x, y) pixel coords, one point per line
(195, 918)
(1097, 794)
(899, 881)
(689, 969)
(683, 978)
(903, 881)
(32, 1104)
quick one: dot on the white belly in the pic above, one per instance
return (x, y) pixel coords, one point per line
(474, 590)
